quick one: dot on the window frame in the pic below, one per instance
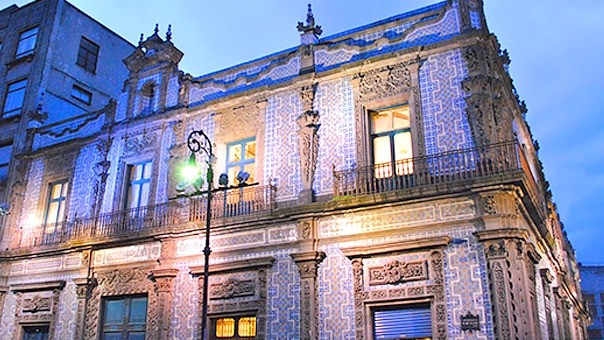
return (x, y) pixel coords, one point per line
(140, 182)
(78, 89)
(244, 161)
(25, 326)
(126, 326)
(17, 110)
(7, 164)
(237, 317)
(62, 201)
(83, 58)
(21, 39)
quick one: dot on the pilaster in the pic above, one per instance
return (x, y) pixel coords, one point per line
(83, 288)
(164, 280)
(308, 264)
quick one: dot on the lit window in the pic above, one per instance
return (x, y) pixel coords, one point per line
(15, 95)
(39, 332)
(139, 185)
(147, 100)
(124, 318)
(27, 42)
(55, 205)
(235, 327)
(241, 157)
(88, 55)
(81, 94)
(5, 152)
(402, 322)
(391, 141)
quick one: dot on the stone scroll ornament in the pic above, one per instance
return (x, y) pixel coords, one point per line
(308, 122)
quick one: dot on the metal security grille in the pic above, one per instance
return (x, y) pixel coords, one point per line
(413, 322)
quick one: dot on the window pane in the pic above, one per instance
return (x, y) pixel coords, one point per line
(250, 150)
(381, 150)
(225, 327)
(234, 153)
(400, 118)
(380, 122)
(114, 312)
(5, 153)
(147, 170)
(53, 213)
(144, 199)
(15, 95)
(232, 172)
(136, 336)
(247, 326)
(112, 336)
(133, 198)
(138, 310)
(250, 169)
(402, 146)
(27, 42)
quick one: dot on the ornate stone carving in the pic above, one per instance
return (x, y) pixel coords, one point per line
(36, 304)
(60, 163)
(384, 82)
(138, 143)
(308, 139)
(496, 249)
(490, 207)
(308, 264)
(238, 122)
(232, 288)
(397, 272)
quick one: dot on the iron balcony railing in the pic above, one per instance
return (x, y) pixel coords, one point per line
(442, 168)
(226, 203)
(238, 201)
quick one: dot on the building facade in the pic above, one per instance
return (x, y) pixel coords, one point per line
(56, 63)
(592, 284)
(381, 183)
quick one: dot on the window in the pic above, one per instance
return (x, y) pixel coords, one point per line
(88, 55)
(391, 141)
(124, 318)
(27, 42)
(55, 206)
(81, 94)
(15, 95)
(241, 156)
(35, 332)
(139, 185)
(147, 97)
(5, 152)
(402, 322)
(238, 327)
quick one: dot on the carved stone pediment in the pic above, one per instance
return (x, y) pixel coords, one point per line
(232, 288)
(135, 144)
(396, 272)
(384, 82)
(37, 304)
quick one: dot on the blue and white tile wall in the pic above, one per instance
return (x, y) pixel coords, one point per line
(173, 91)
(446, 125)
(167, 140)
(337, 142)
(283, 319)
(282, 156)
(83, 182)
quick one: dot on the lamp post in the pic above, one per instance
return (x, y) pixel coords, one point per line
(198, 141)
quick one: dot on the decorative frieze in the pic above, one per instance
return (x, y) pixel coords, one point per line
(396, 272)
(232, 288)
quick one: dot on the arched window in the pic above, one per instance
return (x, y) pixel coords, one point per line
(147, 100)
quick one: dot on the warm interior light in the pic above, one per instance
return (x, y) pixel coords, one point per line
(190, 171)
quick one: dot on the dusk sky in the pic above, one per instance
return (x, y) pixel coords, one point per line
(556, 49)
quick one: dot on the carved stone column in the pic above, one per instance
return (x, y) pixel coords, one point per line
(83, 287)
(3, 291)
(164, 280)
(308, 140)
(510, 263)
(308, 264)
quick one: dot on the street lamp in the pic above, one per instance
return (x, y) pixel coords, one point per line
(198, 141)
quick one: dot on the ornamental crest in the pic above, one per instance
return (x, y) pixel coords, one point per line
(37, 304)
(232, 288)
(396, 272)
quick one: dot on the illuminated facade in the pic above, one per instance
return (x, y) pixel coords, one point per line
(393, 188)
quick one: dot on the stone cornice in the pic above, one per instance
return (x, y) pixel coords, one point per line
(251, 264)
(515, 233)
(31, 287)
(366, 251)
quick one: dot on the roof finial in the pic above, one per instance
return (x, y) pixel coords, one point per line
(169, 33)
(310, 23)
(156, 30)
(140, 41)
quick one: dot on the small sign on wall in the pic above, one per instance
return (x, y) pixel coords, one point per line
(470, 322)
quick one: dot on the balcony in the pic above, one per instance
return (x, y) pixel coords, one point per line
(151, 219)
(453, 167)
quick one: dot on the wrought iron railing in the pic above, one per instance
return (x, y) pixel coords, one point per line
(234, 202)
(447, 167)
(226, 203)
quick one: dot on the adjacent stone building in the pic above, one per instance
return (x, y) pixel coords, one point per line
(382, 184)
(592, 283)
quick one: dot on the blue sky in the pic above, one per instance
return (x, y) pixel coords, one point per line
(556, 49)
